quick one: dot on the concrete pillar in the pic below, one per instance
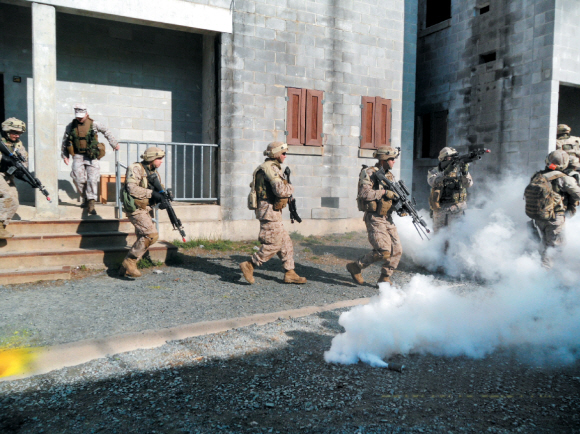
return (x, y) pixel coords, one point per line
(46, 149)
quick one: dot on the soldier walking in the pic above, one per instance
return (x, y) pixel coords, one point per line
(12, 129)
(548, 196)
(376, 202)
(81, 142)
(273, 192)
(566, 142)
(138, 197)
(448, 198)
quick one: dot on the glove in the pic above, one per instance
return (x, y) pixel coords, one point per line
(403, 214)
(465, 168)
(391, 195)
(448, 169)
(156, 197)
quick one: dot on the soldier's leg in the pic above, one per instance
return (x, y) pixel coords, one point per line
(93, 170)
(439, 220)
(374, 226)
(392, 255)
(552, 238)
(8, 205)
(147, 235)
(286, 254)
(271, 240)
(79, 174)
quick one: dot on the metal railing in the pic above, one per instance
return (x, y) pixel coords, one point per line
(190, 169)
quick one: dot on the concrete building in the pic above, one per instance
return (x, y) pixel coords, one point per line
(334, 77)
(499, 74)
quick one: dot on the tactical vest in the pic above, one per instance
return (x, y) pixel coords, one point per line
(452, 191)
(264, 190)
(12, 146)
(382, 206)
(84, 139)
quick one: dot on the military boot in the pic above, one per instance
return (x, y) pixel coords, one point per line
(355, 271)
(292, 277)
(248, 270)
(384, 278)
(84, 203)
(4, 234)
(129, 268)
(91, 207)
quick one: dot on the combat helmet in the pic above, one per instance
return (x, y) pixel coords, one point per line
(275, 149)
(152, 153)
(557, 160)
(386, 153)
(563, 129)
(13, 124)
(447, 151)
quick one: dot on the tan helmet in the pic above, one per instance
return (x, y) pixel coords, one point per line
(557, 160)
(447, 151)
(152, 153)
(574, 162)
(13, 124)
(385, 153)
(274, 149)
(564, 129)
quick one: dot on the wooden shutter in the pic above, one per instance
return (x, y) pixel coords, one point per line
(295, 115)
(314, 117)
(382, 122)
(367, 128)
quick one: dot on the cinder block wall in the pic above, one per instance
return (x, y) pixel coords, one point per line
(346, 48)
(505, 105)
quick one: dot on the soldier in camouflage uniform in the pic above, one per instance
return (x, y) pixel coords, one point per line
(377, 202)
(12, 129)
(79, 137)
(448, 198)
(273, 192)
(143, 195)
(566, 142)
(566, 194)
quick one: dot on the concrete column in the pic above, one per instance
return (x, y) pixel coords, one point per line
(46, 149)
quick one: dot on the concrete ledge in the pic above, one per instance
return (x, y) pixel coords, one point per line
(329, 213)
(435, 28)
(305, 150)
(366, 153)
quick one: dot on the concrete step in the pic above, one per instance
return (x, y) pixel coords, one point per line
(52, 227)
(85, 240)
(92, 258)
(50, 273)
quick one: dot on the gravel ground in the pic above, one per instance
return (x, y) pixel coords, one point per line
(269, 378)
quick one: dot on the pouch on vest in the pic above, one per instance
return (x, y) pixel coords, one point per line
(128, 201)
(367, 206)
(539, 197)
(253, 196)
(383, 206)
(434, 199)
(102, 150)
(280, 203)
(71, 150)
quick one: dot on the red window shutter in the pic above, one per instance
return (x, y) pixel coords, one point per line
(367, 128)
(382, 122)
(296, 112)
(314, 117)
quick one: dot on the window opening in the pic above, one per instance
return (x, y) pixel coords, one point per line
(483, 10)
(437, 11)
(486, 58)
(433, 133)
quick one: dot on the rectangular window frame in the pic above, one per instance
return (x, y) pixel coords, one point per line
(304, 117)
(376, 122)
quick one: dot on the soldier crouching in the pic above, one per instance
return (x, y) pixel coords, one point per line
(273, 192)
(12, 129)
(138, 196)
(376, 202)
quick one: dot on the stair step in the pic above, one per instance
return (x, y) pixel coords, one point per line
(91, 224)
(49, 273)
(86, 240)
(108, 256)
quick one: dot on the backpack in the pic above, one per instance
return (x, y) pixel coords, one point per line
(253, 196)
(539, 196)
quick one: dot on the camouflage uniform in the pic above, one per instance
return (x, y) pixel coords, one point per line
(85, 171)
(566, 142)
(381, 230)
(452, 202)
(8, 192)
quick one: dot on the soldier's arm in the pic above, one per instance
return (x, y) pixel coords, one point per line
(570, 186)
(63, 150)
(280, 188)
(100, 128)
(22, 151)
(365, 189)
(434, 176)
(467, 180)
(134, 177)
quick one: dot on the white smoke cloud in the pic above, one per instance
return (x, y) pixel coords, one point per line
(516, 303)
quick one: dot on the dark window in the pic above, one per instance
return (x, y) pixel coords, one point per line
(484, 10)
(375, 122)
(437, 11)
(486, 58)
(304, 117)
(2, 113)
(433, 133)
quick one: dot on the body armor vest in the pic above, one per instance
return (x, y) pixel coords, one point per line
(12, 146)
(452, 190)
(83, 138)
(264, 191)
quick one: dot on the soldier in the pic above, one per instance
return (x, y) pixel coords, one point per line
(138, 197)
(273, 192)
(448, 198)
(12, 129)
(566, 142)
(562, 191)
(377, 202)
(81, 142)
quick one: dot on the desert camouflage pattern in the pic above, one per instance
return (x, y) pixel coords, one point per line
(86, 174)
(566, 191)
(145, 230)
(97, 128)
(570, 144)
(448, 211)
(273, 235)
(8, 193)
(15, 146)
(381, 230)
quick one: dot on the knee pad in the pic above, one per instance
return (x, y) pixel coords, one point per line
(153, 238)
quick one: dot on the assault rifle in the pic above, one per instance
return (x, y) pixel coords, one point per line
(291, 201)
(470, 156)
(153, 179)
(402, 204)
(19, 170)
